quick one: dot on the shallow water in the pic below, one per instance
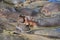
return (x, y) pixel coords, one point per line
(58, 30)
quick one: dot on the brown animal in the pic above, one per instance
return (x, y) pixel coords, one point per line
(31, 23)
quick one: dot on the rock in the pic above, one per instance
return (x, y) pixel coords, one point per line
(37, 3)
(6, 25)
(47, 33)
(2, 28)
(49, 8)
(49, 21)
(14, 1)
(11, 37)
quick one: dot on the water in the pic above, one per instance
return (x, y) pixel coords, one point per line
(58, 30)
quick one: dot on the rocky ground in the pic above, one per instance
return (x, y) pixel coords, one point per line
(42, 33)
(8, 23)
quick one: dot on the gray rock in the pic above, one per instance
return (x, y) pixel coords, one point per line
(47, 32)
(49, 21)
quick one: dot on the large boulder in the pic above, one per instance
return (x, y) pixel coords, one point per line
(50, 21)
(51, 15)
